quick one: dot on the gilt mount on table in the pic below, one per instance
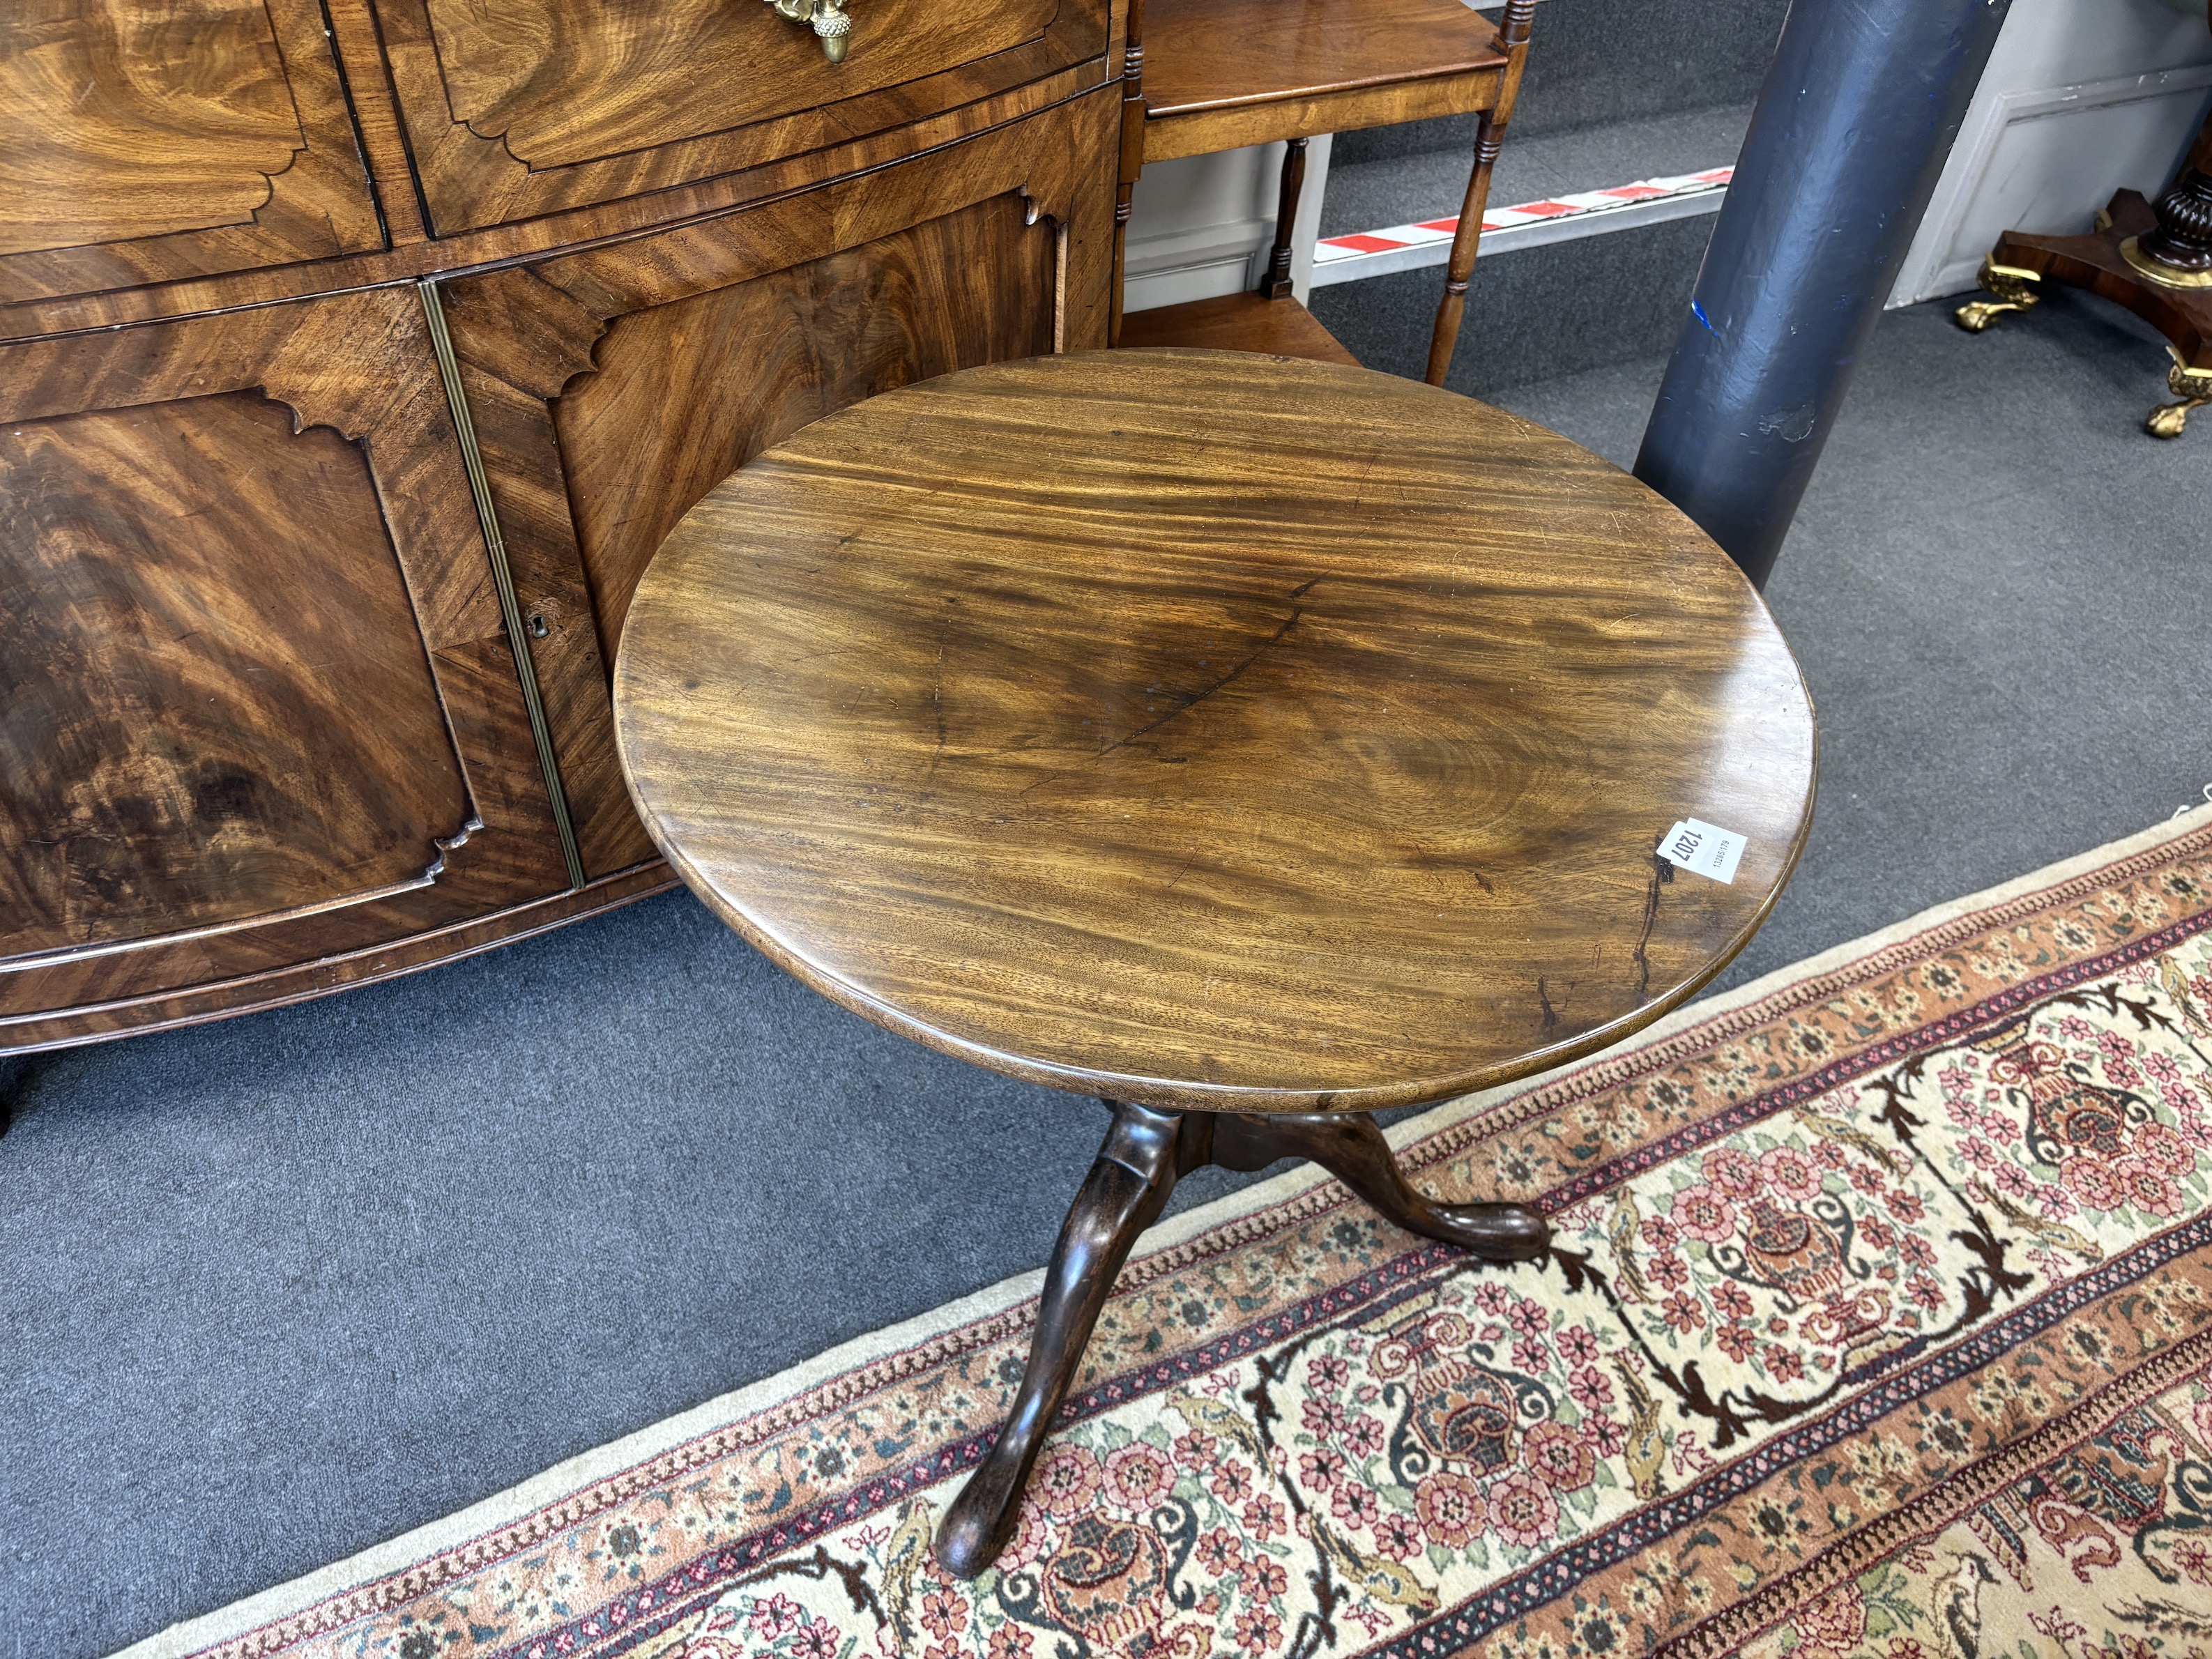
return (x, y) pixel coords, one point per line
(2156, 260)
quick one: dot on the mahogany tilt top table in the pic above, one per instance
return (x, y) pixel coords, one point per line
(1252, 742)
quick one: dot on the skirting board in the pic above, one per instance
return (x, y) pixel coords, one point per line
(1203, 225)
(2081, 98)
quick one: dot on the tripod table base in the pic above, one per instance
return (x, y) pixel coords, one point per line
(1146, 1151)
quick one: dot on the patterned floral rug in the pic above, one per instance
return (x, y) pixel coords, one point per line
(1879, 1323)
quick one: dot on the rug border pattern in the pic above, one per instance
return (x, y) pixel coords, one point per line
(1958, 1493)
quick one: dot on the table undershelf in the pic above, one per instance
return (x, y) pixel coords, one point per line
(1238, 322)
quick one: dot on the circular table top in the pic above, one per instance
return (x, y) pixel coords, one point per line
(1204, 729)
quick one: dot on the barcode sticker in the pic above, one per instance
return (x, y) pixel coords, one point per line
(1703, 849)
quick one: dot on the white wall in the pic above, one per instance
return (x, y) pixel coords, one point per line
(1202, 225)
(2081, 98)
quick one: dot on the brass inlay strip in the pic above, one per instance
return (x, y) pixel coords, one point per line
(48, 958)
(449, 370)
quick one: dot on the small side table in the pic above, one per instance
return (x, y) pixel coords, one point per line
(1253, 743)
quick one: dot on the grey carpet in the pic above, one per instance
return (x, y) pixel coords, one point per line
(274, 1289)
(1532, 314)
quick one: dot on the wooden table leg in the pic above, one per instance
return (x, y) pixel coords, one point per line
(1349, 1146)
(1123, 1194)
(1129, 1185)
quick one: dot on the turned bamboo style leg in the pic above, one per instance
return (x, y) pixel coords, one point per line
(1131, 162)
(1275, 284)
(1489, 139)
(1511, 39)
(1122, 1195)
(1121, 206)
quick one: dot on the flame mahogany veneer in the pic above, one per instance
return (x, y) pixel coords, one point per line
(264, 728)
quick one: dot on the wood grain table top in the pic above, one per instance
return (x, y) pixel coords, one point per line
(1206, 729)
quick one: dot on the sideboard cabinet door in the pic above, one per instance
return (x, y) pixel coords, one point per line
(611, 389)
(257, 707)
(514, 111)
(146, 140)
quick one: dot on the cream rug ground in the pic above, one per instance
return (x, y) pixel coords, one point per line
(1879, 1324)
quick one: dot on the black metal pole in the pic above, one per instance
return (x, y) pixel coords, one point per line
(1852, 127)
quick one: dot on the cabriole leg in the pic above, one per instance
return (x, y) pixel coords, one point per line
(1350, 1146)
(1122, 1195)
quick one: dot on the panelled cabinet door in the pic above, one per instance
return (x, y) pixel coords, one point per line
(611, 389)
(146, 140)
(256, 703)
(513, 110)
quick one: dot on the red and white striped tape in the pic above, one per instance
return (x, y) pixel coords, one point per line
(1372, 248)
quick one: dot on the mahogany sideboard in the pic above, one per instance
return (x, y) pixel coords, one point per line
(355, 357)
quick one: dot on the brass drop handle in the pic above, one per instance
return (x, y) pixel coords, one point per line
(831, 23)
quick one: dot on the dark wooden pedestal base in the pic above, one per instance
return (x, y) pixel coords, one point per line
(2018, 265)
(1146, 1151)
